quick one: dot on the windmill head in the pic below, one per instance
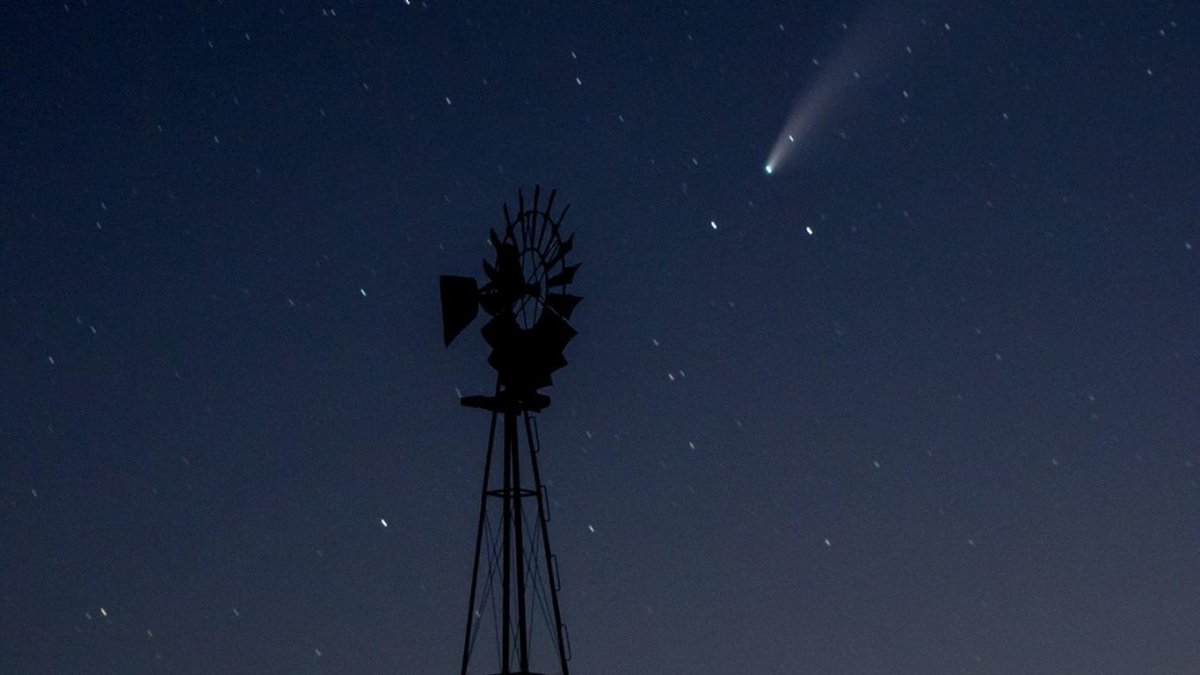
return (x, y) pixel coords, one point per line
(525, 292)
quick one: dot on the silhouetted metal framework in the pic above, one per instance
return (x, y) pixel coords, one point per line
(526, 297)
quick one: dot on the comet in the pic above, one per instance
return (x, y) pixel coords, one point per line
(817, 104)
(810, 111)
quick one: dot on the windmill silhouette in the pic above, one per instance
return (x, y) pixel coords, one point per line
(526, 297)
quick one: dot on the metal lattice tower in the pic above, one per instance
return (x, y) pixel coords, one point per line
(526, 297)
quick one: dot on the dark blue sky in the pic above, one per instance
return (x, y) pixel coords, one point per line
(954, 429)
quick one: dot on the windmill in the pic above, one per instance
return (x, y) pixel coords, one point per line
(526, 296)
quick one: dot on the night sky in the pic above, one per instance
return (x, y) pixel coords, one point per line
(925, 398)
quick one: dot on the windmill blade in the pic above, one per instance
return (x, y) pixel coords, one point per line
(551, 335)
(562, 215)
(564, 277)
(547, 220)
(562, 304)
(535, 218)
(552, 363)
(460, 304)
(563, 249)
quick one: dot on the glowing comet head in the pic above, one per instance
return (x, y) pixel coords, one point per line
(768, 169)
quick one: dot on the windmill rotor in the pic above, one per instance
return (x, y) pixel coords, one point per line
(526, 294)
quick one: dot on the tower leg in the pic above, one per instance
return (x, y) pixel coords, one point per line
(516, 497)
(483, 497)
(551, 576)
(506, 564)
